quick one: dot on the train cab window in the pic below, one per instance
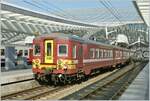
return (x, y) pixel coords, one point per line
(92, 53)
(62, 50)
(97, 53)
(25, 52)
(2, 52)
(74, 51)
(37, 50)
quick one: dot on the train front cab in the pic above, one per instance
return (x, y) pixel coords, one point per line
(56, 58)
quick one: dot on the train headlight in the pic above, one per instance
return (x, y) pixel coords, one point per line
(36, 63)
(65, 67)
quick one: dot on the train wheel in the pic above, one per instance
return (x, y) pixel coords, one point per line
(37, 77)
(86, 77)
(55, 79)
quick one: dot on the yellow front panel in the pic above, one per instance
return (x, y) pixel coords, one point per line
(49, 51)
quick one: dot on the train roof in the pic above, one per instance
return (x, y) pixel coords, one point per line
(60, 36)
(75, 38)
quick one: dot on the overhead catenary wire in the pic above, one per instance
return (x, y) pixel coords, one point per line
(66, 14)
(74, 17)
(113, 12)
(40, 7)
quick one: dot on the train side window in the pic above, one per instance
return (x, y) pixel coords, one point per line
(105, 53)
(2, 52)
(111, 54)
(120, 53)
(97, 53)
(101, 53)
(20, 52)
(36, 50)
(74, 51)
(25, 52)
(108, 54)
(116, 53)
(62, 50)
(92, 53)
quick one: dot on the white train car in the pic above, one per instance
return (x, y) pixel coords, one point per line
(11, 53)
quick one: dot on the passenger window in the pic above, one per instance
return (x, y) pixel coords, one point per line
(97, 53)
(91, 53)
(111, 54)
(2, 52)
(62, 50)
(20, 53)
(104, 53)
(37, 50)
(25, 52)
(108, 54)
(74, 51)
(101, 53)
(120, 53)
(116, 54)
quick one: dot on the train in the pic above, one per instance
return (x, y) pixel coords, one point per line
(65, 58)
(11, 53)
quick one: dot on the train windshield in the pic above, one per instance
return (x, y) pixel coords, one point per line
(37, 50)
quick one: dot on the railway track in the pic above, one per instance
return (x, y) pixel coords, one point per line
(34, 93)
(109, 88)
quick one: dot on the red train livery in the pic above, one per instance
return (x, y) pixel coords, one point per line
(64, 58)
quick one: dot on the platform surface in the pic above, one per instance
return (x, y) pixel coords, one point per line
(139, 88)
(17, 75)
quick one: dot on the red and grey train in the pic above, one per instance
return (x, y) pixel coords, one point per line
(64, 58)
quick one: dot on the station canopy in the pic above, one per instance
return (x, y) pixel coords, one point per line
(22, 18)
(143, 7)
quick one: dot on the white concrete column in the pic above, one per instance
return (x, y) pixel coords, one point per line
(106, 32)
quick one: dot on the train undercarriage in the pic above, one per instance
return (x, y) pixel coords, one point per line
(62, 79)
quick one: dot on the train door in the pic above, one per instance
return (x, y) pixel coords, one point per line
(80, 56)
(48, 51)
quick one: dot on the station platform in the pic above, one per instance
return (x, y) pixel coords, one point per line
(139, 88)
(16, 75)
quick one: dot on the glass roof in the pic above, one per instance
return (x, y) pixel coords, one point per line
(89, 11)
